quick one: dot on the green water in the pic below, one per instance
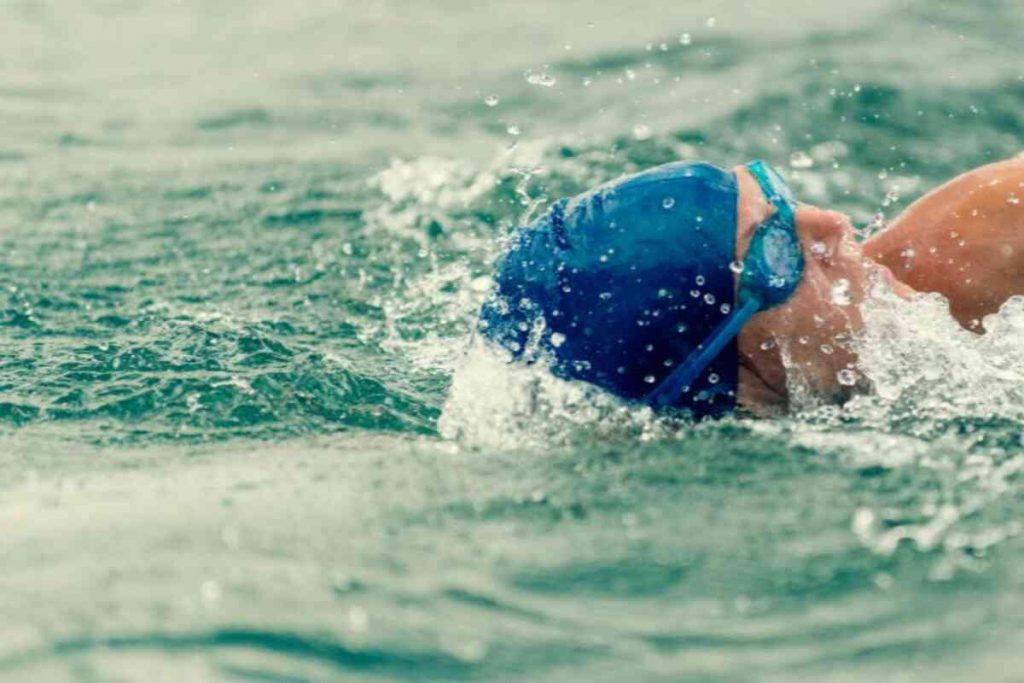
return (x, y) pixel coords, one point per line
(241, 246)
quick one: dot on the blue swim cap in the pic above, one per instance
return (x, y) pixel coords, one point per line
(618, 286)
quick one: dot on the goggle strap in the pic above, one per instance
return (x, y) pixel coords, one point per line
(668, 391)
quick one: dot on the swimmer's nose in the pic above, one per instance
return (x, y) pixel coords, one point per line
(821, 231)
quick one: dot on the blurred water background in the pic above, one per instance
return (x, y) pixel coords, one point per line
(241, 246)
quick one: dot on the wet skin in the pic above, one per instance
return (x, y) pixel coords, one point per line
(964, 240)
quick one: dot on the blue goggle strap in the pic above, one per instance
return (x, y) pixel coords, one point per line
(683, 377)
(774, 188)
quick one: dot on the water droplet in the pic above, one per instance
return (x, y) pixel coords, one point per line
(513, 129)
(685, 39)
(846, 377)
(642, 131)
(841, 292)
(736, 267)
(800, 159)
(492, 100)
(557, 339)
(709, 299)
(649, 379)
(668, 202)
(543, 79)
(877, 222)
(357, 619)
(210, 592)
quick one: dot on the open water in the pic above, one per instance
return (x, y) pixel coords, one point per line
(241, 248)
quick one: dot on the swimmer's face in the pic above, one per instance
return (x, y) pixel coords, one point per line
(814, 330)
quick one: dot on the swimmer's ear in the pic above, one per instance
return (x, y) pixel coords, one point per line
(821, 231)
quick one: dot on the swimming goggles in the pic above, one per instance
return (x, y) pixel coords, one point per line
(772, 269)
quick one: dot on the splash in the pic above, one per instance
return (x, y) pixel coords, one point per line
(493, 403)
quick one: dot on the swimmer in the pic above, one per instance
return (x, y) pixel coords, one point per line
(682, 287)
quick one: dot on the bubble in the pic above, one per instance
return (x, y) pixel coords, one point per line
(841, 292)
(642, 131)
(736, 267)
(587, 82)
(890, 197)
(725, 308)
(826, 349)
(543, 79)
(663, 293)
(800, 159)
(668, 203)
(513, 129)
(711, 22)
(819, 248)
(681, 328)
(492, 100)
(883, 174)
(846, 377)
(668, 362)
(713, 378)
(1013, 199)
(685, 39)
(649, 379)
(699, 280)
(557, 339)
(709, 299)
(604, 296)
(695, 293)
(768, 345)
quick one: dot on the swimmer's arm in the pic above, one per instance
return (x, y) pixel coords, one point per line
(964, 240)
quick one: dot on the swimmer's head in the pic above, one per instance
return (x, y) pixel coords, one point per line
(637, 287)
(619, 286)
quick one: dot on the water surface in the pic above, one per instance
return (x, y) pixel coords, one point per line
(241, 245)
